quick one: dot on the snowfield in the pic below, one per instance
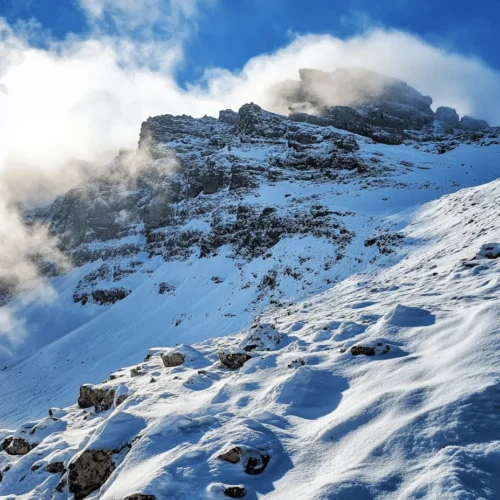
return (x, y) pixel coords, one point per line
(374, 375)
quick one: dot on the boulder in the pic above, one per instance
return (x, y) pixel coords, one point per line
(489, 251)
(173, 359)
(101, 398)
(6, 442)
(110, 296)
(447, 115)
(469, 123)
(254, 461)
(233, 360)
(234, 491)
(55, 468)
(365, 350)
(358, 350)
(89, 472)
(18, 446)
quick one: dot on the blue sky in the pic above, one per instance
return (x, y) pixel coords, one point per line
(229, 32)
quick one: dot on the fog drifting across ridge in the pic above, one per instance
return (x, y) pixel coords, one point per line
(86, 98)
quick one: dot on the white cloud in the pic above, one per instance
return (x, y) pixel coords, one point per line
(172, 18)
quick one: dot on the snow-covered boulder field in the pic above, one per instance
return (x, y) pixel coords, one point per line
(265, 308)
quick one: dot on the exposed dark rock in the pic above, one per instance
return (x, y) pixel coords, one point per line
(233, 360)
(171, 360)
(489, 251)
(55, 468)
(253, 121)
(165, 288)
(233, 456)
(135, 372)
(256, 464)
(358, 350)
(384, 242)
(18, 446)
(120, 399)
(447, 115)
(110, 296)
(255, 461)
(469, 123)
(228, 116)
(234, 491)
(90, 396)
(140, 496)
(6, 443)
(61, 485)
(89, 472)
(242, 178)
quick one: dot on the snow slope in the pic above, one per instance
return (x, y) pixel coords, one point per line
(418, 421)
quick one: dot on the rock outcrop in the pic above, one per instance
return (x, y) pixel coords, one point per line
(254, 461)
(233, 360)
(171, 360)
(17, 446)
(447, 115)
(89, 472)
(101, 398)
(469, 123)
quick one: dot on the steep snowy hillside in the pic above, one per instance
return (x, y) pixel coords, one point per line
(327, 307)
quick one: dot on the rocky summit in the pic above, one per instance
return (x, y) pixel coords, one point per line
(265, 305)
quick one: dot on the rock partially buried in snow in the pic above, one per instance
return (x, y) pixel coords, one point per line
(140, 496)
(234, 491)
(217, 490)
(17, 446)
(173, 359)
(365, 350)
(254, 461)
(89, 472)
(233, 359)
(489, 251)
(6, 442)
(55, 468)
(57, 413)
(263, 337)
(101, 398)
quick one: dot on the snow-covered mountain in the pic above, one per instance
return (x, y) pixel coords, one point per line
(326, 303)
